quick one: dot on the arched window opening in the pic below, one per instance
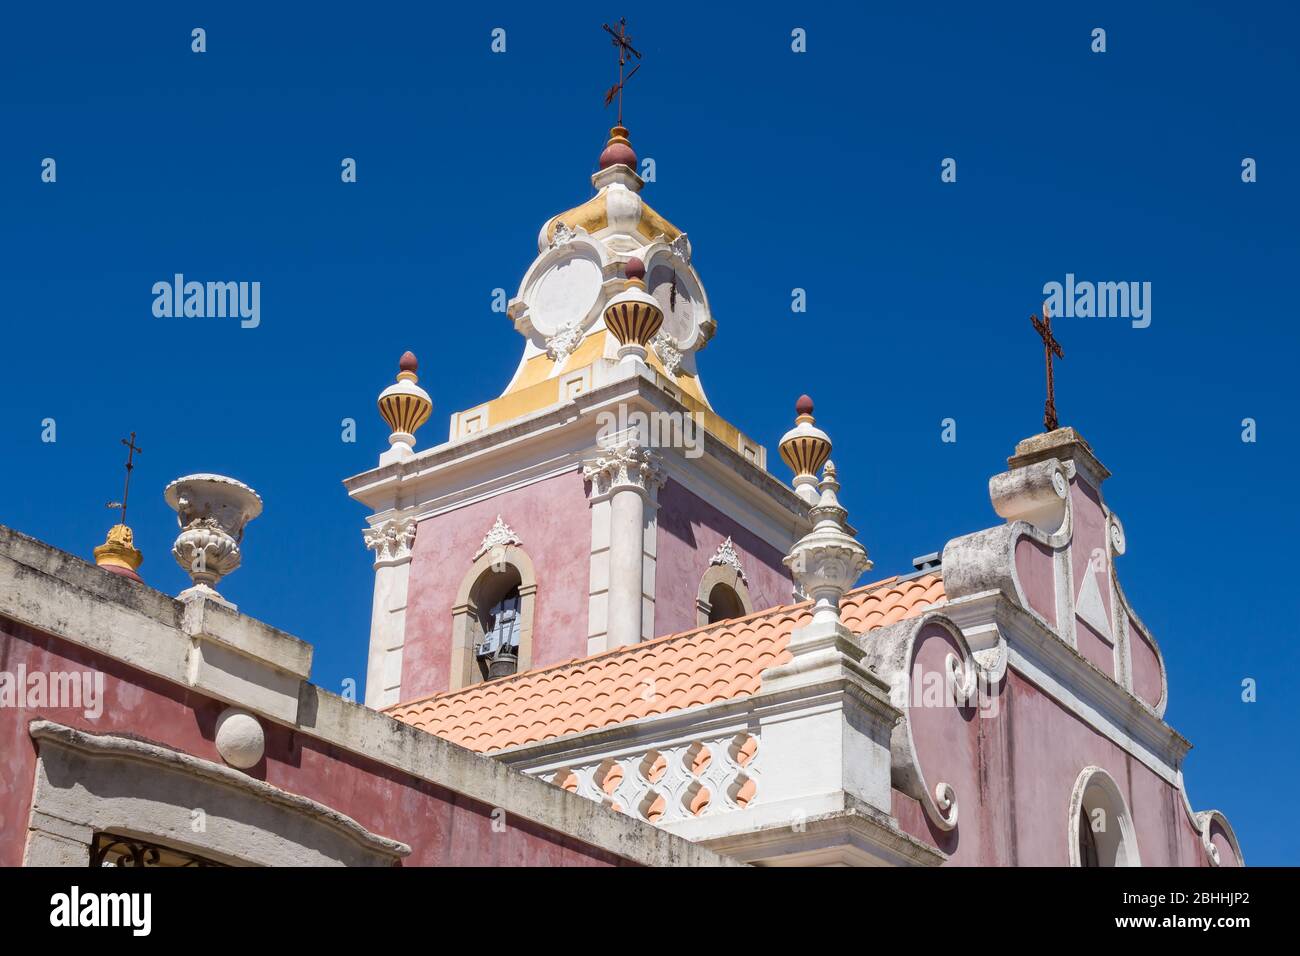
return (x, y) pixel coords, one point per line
(1087, 845)
(492, 619)
(724, 603)
(497, 653)
(1101, 827)
(723, 595)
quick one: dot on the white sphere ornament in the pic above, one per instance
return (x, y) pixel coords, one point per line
(240, 738)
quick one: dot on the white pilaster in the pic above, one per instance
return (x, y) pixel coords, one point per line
(392, 542)
(625, 479)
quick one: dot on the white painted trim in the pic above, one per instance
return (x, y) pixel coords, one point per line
(162, 789)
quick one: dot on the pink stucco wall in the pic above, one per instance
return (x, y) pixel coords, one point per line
(1147, 682)
(1037, 574)
(1089, 549)
(553, 520)
(1014, 763)
(442, 827)
(690, 530)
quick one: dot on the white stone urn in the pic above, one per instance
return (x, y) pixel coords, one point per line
(212, 511)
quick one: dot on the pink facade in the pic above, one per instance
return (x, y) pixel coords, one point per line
(690, 530)
(1089, 549)
(553, 520)
(442, 827)
(1037, 577)
(1014, 760)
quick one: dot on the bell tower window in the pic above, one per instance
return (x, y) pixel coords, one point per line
(724, 603)
(723, 595)
(492, 619)
(498, 653)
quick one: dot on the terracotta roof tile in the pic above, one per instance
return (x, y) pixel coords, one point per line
(716, 662)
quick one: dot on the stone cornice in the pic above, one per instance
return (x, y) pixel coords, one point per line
(557, 440)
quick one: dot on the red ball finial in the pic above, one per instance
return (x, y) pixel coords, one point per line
(634, 268)
(618, 151)
(804, 406)
(408, 363)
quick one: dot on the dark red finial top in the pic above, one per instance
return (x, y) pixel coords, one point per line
(804, 406)
(408, 363)
(618, 151)
(634, 268)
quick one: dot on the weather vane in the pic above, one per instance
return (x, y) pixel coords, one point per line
(130, 464)
(1050, 347)
(623, 41)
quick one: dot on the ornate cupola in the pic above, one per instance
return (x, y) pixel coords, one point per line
(805, 449)
(633, 317)
(405, 407)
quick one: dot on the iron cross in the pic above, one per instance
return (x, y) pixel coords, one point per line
(130, 464)
(1050, 347)
(626, 51)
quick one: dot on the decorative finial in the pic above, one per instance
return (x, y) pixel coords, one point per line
(212, 511)
(633, 316)
(805, 449)
(618, 150)
(827, 561)
(117, 554)
(1050, 347)
(623, 41)
(405, 407)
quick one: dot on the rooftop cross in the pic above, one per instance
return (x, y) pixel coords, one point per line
(623, 41)
(1050, 347)
(130, 464)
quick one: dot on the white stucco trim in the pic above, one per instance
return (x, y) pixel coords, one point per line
(87, 783)
(1096, 790)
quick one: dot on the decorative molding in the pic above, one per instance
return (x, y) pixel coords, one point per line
(1203, 821)
(661, 785)
(726, 556)
(162, 785)
(681, 247)
(563, 235)
(627, 465)
(562, 344)
(669, 353)
(392, 540)
(498, 536)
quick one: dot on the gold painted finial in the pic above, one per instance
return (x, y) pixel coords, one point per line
(118, 554)
(405, 406)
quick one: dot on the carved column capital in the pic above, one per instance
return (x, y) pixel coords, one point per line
(624, 466)
(391, 541)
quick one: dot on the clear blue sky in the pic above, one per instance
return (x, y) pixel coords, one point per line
(818, 171)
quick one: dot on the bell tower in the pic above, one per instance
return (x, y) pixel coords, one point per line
(600, 500)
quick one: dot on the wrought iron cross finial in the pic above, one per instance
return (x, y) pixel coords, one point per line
(623, 40)
(1050, 347)
(132, 450)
